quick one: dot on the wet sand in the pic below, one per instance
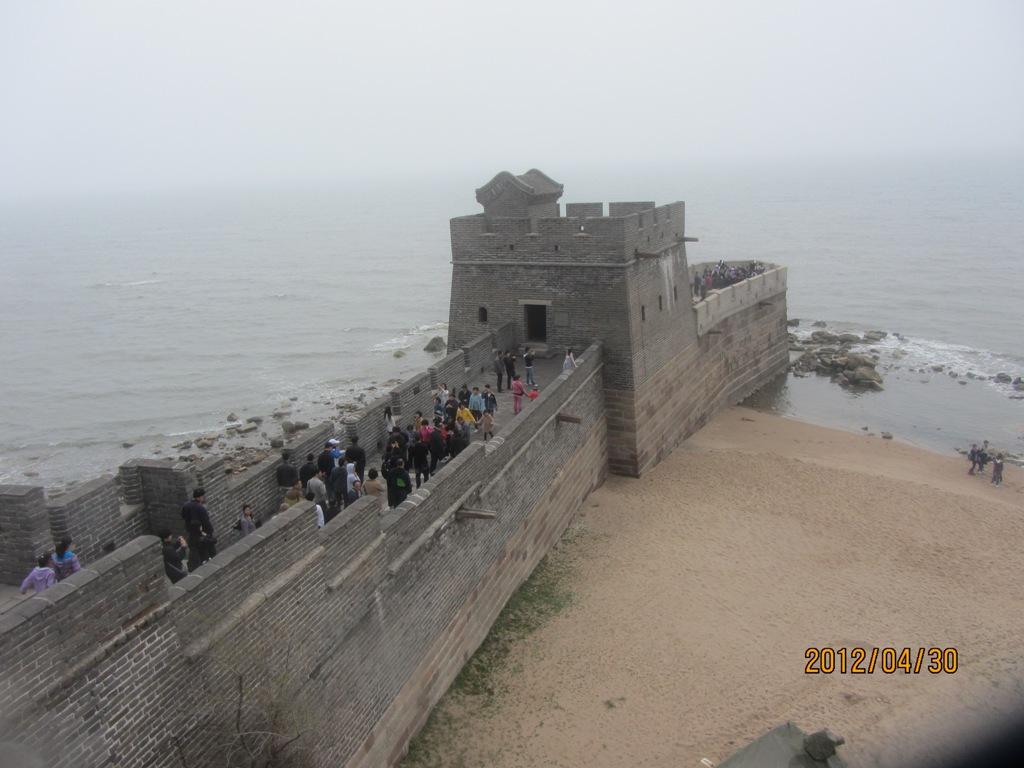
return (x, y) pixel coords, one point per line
(700, 586)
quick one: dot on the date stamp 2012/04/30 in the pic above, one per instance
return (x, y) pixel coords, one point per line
(889, 660)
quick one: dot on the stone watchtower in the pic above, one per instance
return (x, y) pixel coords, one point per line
(618, 274)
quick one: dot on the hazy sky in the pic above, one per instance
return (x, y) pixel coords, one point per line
(128, 93)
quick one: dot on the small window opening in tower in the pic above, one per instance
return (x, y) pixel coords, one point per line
(675, 293)
(481, 314)
(511, 246)
(581, 227)
(643, 314)
(660, 307)
(556, 246)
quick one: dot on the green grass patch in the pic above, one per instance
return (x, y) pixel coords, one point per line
(478, 686)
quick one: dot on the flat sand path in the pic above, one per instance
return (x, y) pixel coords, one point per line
(699, 587)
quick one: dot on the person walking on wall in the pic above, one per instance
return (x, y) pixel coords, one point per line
(318, 487)
(389, 420)
(246, 523)
(476, 404)
(175, 551)
(499, 368)
(518, 390)
(374, 485)
(528, 360)
(64, 560)
(307, 470)
(355, 454)
(490, 400)
(399, 484)
(570, 361)
(421, 459)
(39, 578)
(320, 522)
(487, 424)
(510, 367)
(201, 543)
(325, 461)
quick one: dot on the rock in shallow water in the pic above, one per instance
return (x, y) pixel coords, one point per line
(436, 344)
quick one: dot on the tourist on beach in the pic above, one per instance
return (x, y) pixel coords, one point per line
(499, 368)
(175, 550)
(64, 560)
(246, 524)
(528, 360)
(39, 578)
(356, 455)
(421, 460)
(972, 456)
(201, 543)
(517, 395)
(320, 522)
(997, 470)
(983, 457)
(476, 403)
(325, 461)
(570, 361)
(399, 484)
(487, 425)
(307, 470)
(510, 366)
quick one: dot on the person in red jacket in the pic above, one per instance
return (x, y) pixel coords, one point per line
(518, 390)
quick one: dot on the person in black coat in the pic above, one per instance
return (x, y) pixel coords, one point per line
(356, 455)
(325, 461)
(307, 470)
(175, 552)
(201, 543)
(421, 460)
(399, 484)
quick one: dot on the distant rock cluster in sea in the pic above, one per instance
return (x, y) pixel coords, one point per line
(834, 355)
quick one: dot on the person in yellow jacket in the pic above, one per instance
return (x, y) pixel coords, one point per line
(466, 415)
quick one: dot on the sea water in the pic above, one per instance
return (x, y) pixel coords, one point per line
(145, 319)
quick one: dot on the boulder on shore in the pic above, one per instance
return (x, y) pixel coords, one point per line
(436, 344)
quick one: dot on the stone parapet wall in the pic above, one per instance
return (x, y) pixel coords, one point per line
(354, 614)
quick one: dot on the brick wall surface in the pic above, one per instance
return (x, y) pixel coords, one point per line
(90, 514)
(24, 531)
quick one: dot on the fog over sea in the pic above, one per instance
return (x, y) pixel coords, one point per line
(147, 318)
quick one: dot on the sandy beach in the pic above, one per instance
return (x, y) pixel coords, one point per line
(698, 588)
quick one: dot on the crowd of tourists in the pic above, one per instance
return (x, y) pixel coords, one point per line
(722, 275)
(980, 456)
(338, 477)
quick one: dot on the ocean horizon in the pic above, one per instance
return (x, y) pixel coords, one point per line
(146, 319)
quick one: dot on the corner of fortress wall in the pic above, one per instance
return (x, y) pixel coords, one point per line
(372, 617)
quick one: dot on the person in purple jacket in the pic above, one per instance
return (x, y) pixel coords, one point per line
(65, 561)
(41, 577)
